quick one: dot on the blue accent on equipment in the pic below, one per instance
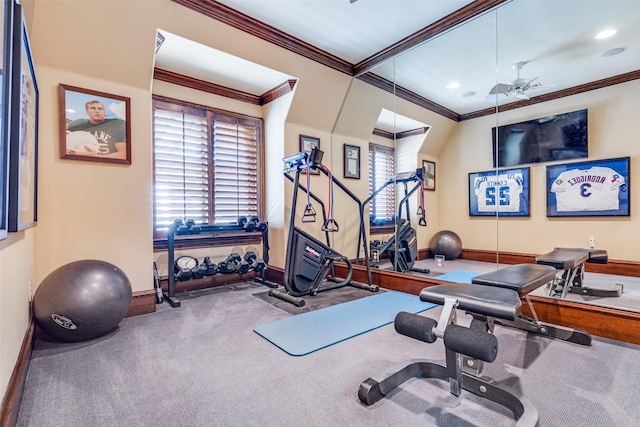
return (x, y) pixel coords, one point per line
(459, 276)
(307, 332)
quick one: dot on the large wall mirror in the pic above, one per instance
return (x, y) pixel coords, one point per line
(522, 61)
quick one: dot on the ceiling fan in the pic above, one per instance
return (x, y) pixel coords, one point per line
(518, 87)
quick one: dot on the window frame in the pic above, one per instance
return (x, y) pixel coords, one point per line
(220, 238)
(382, 229)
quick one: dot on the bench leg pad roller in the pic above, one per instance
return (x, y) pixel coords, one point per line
(479, 345)
(417, 327)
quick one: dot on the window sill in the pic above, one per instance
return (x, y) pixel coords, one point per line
(382, 229)
(210, 240)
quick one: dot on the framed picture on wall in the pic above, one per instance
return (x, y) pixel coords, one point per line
(594, 188)
(23, 147)
(94, 126)
(308, 143)
(351, 161)
(6, 17)
(429, 175)
(502, 192)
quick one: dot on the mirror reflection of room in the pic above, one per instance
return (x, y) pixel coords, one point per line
(529, 112)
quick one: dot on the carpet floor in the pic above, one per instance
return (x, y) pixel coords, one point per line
(202, 365)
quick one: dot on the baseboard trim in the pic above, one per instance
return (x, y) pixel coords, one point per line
(611, 323)
(15, 389)
(142, 302)
(617, 267)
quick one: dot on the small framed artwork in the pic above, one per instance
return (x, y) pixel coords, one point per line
(308, 143)
(94, 126)
(429, 175)
(351, 161)
(503, 192)
(594, 188)
(23, 146)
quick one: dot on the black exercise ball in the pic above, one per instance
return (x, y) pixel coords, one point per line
(446, 243)
(82, 300)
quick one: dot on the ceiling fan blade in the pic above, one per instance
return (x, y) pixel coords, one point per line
(528, 83)
(352, 1)
(500, 88)
(521, 95)
(541, 86)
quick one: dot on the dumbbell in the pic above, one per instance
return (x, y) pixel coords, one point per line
(189, 227)
(180, 227)
(208, 268)
(253, 223)
(234, 263)
(183, 274)
(242, 220)
(255, 263)
(197, 272)
(231, 264)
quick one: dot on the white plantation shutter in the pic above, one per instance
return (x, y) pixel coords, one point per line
(181, 167)
(381, 170)
(235, 163)
(211, 177)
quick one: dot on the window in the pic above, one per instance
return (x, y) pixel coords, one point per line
(381, 170)
(207, 165)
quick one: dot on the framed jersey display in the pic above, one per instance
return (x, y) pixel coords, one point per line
(94, 126)
(502, 192)
(594, 188)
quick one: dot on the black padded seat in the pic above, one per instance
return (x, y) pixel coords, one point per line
(596, 256)
(484, 300)
(563, 259)
(522, 278)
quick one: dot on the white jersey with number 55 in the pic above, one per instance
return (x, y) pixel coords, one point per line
(499, 193)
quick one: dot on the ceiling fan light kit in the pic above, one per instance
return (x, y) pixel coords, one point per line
(517, 87)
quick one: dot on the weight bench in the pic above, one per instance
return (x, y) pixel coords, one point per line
(524, 278)
(570, 265)
(466, 348)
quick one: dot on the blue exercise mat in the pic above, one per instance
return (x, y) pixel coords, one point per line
(307, 332)
(459, 276)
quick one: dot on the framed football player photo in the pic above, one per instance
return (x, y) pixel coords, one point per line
(594, 188)
(94, 126)
(501, 192)
(429, 175)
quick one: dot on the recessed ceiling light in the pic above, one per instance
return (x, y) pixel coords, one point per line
(453, 85)
(613, 52)
(468, 94)
(606, 34)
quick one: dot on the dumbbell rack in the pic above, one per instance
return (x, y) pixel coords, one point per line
(170, 295)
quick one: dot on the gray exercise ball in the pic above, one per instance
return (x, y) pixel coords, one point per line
(446, 243)
(82, 300)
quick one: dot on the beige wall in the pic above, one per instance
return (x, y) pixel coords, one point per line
(16, 278)
(613, 119)
(104, 211)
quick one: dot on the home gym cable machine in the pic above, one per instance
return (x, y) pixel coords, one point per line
(309, 263)
(402, 247)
